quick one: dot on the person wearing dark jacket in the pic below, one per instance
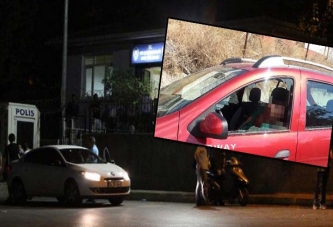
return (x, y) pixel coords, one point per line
(10, 154)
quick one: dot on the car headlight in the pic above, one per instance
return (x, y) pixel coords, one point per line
(91, 176)
(125, 176)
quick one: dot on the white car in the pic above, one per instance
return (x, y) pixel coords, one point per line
(69, 173)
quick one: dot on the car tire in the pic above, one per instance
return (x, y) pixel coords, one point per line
(116, 201)
(18, 192)
(72, 194)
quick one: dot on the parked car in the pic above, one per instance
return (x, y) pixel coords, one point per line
(69, 173)
(271, 107)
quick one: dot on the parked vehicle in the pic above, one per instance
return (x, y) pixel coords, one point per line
(265, 107)
(69, 173)
(233, 185)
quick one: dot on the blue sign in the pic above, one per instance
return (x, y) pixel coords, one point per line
(147, 53)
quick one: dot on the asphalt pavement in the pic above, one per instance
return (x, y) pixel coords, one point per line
(188, 197)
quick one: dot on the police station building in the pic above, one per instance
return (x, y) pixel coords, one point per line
(90, 57)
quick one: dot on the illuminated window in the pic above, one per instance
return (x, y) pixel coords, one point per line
(95, 71)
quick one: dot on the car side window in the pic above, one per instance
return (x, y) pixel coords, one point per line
(44, 156)
(32, 156)
(260, 106)
(319, 105)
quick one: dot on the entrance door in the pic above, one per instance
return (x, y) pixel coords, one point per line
(25, 133)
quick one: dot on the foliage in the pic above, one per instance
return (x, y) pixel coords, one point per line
(199, 46)
(125, 87)
(318, 20)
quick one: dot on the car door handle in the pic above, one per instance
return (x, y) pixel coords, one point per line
(282, 154)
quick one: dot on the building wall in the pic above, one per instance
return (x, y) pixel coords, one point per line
(157, 164)
(74, 76)
(121, 59)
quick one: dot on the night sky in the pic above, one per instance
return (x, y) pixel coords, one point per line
(30, 69)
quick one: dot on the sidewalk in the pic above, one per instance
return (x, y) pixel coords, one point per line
(188, 197)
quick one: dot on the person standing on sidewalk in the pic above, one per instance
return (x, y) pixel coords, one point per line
(321, 185)
(11, 153)
(93, 147)
(201, 190)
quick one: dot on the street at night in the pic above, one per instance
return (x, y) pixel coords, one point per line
(108, 100)
(43, 212)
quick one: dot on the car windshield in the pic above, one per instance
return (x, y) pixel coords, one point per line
(80, 156)
(180, 93)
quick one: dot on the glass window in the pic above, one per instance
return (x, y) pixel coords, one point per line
(89, 61)
(260, 106)
(45, 156)
(319, 108)
(80, 156)
(95, 71)
(89, 81)
(181, 93)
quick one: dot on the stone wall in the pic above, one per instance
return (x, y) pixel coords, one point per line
(157, 164)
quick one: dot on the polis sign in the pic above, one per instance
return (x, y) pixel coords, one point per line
(24, 112)
(147, 53)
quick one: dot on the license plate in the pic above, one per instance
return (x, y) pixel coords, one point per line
(113, 184)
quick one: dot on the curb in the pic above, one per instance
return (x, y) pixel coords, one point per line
(189, 197)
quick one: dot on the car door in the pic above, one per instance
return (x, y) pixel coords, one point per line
(315, 128)
(57, 172)
(275, 141)
(34, 172)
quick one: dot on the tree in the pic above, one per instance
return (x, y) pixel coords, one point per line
(124, 87)
(318, 20)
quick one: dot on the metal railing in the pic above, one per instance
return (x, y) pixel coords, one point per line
(115, 117)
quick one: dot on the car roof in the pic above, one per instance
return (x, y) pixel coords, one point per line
(57, 146)
(276, 61)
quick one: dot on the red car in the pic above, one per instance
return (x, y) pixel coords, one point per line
(267, 107)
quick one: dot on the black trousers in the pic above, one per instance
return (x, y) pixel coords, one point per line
(321, 185)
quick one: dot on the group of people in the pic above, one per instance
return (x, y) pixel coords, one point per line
(12, 152)
(111, 116)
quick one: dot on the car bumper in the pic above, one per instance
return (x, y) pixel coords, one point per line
(103, 189)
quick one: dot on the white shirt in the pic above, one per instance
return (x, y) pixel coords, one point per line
(95, 149)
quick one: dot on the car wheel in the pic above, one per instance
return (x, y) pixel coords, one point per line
(116, 201)
(18, 192)
(72, 193)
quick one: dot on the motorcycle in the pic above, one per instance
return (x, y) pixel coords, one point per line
(231, 186)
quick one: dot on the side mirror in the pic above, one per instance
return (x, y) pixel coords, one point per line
(214, 126)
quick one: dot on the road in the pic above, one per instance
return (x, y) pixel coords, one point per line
(47, 212)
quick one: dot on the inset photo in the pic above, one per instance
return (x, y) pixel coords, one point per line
(246, 92)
